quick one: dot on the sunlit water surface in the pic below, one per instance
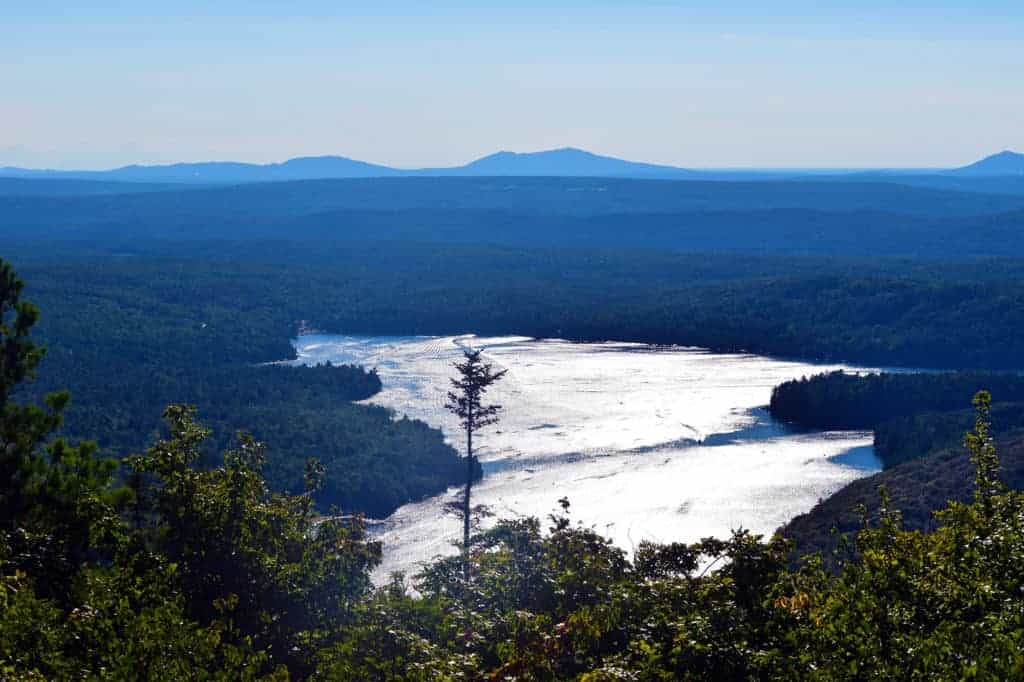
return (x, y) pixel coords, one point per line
(657, 443)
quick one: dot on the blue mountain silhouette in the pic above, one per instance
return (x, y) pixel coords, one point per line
(1003, 163)
(564, 162)
(556, 162)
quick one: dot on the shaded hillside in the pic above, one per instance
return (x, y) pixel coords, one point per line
(917, 488)
(904, 438)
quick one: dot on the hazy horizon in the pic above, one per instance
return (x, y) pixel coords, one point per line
(439, 166)
(402, 85)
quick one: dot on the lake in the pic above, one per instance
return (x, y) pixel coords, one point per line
(647, 442)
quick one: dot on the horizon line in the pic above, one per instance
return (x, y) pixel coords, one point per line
(383, 166)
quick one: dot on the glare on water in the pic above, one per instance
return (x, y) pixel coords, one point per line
(659, 443)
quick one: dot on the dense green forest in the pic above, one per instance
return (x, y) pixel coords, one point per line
(918, 487)
(917, 436)
(881, 313)
(848, 218)
(903, 438)
(912, 414)
(777, 230)
(150, 333)
(177, 570)
(841, 400)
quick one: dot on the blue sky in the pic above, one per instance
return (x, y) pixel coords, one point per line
(413, 84)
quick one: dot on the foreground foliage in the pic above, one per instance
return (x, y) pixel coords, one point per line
(186, 572)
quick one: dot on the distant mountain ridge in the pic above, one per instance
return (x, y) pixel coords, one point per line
(301, 168)
(563, 162)
(1003, 163)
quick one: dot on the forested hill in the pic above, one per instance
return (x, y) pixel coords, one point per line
(918, 425)
(841, 219)
(918, 488)
(129, 337)
(911, 414)
(839, 400)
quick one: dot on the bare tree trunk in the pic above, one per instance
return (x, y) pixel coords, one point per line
(465, 500)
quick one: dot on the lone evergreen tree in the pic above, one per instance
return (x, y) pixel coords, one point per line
(466, 402)
(981, 445)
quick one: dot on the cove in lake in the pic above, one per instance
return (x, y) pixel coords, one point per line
(657, 443)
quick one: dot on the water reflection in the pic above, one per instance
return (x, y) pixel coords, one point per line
(661, 443)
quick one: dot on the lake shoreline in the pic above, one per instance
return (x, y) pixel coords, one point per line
(617, 427)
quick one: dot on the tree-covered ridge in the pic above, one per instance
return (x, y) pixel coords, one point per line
(911, 414)
(202, 572)
(251, 296)
(840, 400)
(901, 439)
(917, 436)
(160, 336)
(917, 487)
